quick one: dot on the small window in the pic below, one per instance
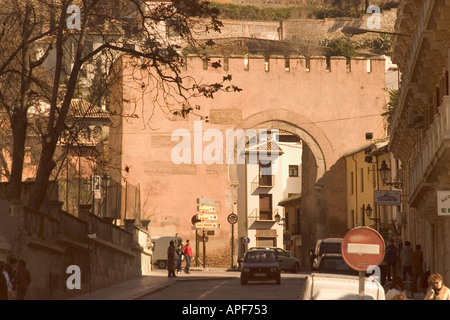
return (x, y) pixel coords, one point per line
(351, 183)
(85, 133)
(293, 171)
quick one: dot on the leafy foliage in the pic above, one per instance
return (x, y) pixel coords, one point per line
(341, 47)
(45, 60)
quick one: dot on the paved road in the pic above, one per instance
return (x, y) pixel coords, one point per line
(229, 288)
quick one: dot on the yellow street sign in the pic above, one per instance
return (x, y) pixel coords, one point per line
(206, 225)
(206, 216)
(206, 208)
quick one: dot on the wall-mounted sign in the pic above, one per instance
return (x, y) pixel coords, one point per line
(96, 187)
(443, 202)
(387, 197)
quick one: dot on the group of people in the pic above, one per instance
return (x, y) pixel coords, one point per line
(412, 265)
(175, 256)
(436, 289)
(14, 279)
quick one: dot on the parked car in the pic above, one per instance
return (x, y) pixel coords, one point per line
(323, 286)
(287, 261)
(260, 265)
(327, 245)
(334, 263)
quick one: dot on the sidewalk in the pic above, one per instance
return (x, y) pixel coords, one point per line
(154, 280)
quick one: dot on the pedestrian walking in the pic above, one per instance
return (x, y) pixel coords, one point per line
(436, 289)
(391, 257)
(171, 259)
(405, 258)
(417, 266)
(3, 283)
(397, 287)
(424, 281)
(10, 270)
(179, 252)
(312, 256)
(22, 279)
(7, 278)
(187, 251)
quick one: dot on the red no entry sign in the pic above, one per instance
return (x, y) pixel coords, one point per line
(363, 247)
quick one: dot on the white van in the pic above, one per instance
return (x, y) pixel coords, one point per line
(159, 249)
(327, 286)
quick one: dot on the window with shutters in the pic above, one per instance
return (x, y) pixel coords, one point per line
(265, 207)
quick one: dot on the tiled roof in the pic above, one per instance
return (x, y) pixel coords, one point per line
(80, 108)
(264, 146)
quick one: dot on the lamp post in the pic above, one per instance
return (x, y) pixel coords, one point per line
(351, 31)
(105, 179)
(368, 211)
(385, 173)
(278, 219)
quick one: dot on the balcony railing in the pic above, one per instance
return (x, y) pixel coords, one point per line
(263, 182)
(412, 57)
(257, 215)
(425, 153)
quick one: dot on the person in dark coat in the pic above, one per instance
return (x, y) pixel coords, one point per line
(391, 257)
(179, 253)
(171, 261)
(23, 279)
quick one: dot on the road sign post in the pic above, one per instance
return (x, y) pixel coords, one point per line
(232, 219)
(205, 206)
(361, 248)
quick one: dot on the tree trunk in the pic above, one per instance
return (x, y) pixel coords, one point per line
(46, 165)
(19, 128)
(19, 118)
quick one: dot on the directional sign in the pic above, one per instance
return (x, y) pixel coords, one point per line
(363, 247)
(206, 225)
(206, 201)
(206, 216)
(205, 208)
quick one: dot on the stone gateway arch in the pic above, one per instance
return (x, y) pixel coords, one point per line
(328, 105)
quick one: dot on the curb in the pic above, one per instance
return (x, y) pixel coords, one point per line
(152, 290)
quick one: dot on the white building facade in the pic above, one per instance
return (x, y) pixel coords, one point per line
(263, 184)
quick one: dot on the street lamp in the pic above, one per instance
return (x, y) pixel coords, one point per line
(351, 31)
(279, 219)
(385, 173)
(368, 211)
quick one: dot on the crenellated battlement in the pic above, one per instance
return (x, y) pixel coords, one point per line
(277, 63)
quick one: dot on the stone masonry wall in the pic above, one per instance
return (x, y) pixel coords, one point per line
(328, 104)
(51, 241)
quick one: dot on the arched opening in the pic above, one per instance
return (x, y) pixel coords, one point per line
(259, 205)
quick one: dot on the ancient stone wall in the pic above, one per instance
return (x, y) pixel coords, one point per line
(51, 241)
(328, 104)
(292, 3)
(314, 30)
